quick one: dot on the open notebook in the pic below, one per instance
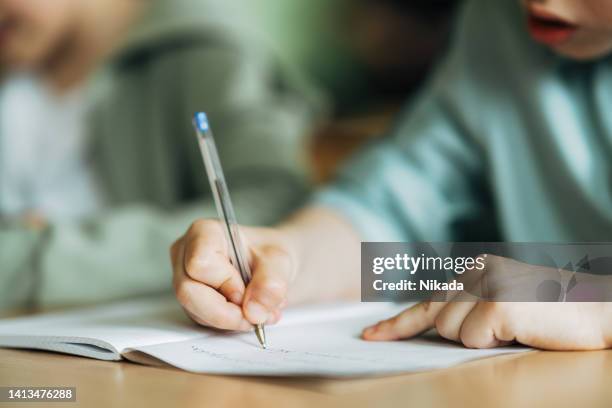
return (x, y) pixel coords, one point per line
(318, 340)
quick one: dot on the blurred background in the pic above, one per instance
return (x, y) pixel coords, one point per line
(368, 56)
(89, 186)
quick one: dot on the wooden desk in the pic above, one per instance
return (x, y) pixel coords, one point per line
(537, 379)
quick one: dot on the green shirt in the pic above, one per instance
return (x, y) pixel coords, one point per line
(181, 57)
(508, 141)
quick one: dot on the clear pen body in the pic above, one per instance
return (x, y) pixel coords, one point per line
(225, 210)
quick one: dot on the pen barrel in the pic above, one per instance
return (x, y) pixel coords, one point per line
(225, 210)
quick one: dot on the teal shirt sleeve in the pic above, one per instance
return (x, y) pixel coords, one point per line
(411, 187)
(426, 180)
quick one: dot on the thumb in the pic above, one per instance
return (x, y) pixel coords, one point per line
(267, 291)
(409, 323)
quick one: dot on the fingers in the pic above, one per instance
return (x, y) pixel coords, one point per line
(482, 327)
(267, 291)
(415, 320)
(205, 280)
(206, 260)
(409, 323)
(449, 320)
(274, 317)
(204, 304)
(475, 324)
(209, 307)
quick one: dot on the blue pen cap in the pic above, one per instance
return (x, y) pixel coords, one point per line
(201, 121)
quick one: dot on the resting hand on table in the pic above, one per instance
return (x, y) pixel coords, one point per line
(549, 326)
(478, 323)
(210, 288)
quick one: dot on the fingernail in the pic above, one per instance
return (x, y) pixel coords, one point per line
(371, 333)
(274, 318)
(383, 329)
(236, 298)
(246, 326)
(256, 313)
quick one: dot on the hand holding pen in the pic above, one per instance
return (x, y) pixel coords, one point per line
(212, 262)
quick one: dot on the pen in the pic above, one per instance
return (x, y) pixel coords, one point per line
(225, 209)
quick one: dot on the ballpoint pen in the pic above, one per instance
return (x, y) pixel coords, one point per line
(225, 209)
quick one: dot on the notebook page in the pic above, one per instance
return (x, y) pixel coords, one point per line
(141, 322)
(116, 326)
(328, 347)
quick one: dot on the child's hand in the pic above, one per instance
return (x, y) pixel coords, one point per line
(478, 319)
(478, 324)
(210, 288)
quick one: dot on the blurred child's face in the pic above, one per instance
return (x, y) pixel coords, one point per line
(32, 30)
(580, 29)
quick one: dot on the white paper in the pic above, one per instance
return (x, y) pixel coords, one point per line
(321, 343)
(321, 340)
(102, 332)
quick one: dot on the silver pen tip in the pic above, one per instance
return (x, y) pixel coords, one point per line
(261, 335)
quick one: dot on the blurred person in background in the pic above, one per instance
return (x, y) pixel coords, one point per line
(99, 166)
